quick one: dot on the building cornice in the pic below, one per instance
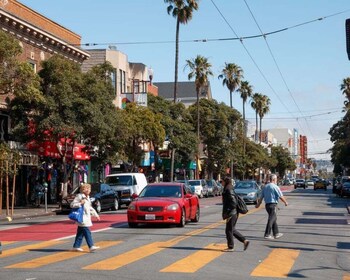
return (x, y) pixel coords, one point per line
(30, 34)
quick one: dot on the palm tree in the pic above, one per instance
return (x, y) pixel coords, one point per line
(231, 77)
(264, 108)
(345, 87)
(246, 91)
(200, 70)
(182, 10)
(255, 103)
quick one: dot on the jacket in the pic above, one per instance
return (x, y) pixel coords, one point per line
(229, 204)
(88, 210)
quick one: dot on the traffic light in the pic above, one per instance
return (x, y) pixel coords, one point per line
(347, 30)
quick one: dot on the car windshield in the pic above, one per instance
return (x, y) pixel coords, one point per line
(125, 180)
(299, 181)
(194, 183)
(161, 191)
(244, 185)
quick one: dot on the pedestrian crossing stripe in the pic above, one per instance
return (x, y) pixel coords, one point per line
(196, 261)
(145, 251)
(24, 249)
(277, 264)
(57, 257)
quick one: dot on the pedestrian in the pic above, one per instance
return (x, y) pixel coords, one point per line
(83, 230)
(38, 193)
(271, 194)
(230, 214)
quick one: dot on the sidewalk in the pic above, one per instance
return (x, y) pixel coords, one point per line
(27, 212)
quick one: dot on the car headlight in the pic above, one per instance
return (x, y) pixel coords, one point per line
(132, 206)
(173, 207)
(251, 194)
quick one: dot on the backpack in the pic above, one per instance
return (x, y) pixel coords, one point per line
(241, 206)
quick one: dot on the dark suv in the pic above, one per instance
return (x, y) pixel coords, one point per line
(300, 183)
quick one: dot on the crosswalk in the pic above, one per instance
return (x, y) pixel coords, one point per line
(277, 264)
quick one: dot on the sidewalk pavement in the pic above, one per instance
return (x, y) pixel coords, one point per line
(27, 212)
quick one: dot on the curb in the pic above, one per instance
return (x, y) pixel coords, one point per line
(24, 216)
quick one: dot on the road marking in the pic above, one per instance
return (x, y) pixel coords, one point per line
(24, 249)
(7, 242)
(62, 256)
(277, 264)
(346, 277)
(197, 260)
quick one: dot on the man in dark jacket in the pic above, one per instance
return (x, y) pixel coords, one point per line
(230, 214)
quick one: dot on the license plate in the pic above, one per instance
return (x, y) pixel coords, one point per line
(150, 217)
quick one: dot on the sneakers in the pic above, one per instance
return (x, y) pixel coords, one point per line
(94, 248)
(77, 250)
(278, 235)
(228, 250)
(270, 237)
(246, 244)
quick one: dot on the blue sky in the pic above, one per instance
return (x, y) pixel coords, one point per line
(300, 69)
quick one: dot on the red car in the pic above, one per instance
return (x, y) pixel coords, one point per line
(168, 203)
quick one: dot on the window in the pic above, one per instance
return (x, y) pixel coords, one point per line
(113, 78)
(32, 65)
(122, 83)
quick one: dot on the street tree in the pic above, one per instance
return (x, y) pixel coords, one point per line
(200, 70)
(282, 159)
(73, 108)
(142, 127)
(263, 109)
(231, 76)
(254, 102)
(182, 10)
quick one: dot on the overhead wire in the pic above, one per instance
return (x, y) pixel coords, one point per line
(213, 39)
(278, 68)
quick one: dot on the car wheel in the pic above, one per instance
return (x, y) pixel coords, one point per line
(182, 219)
(132, 225)
(98, 206)
(314, 189)
(304, 187)
(116, 204)
(196, 218)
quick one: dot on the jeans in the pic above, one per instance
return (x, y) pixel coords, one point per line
(231, 231)
(83, 232)
(272, 220)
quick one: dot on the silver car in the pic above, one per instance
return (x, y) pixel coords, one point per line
(249, 190)
(200, 187)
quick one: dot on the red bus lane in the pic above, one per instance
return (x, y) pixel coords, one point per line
(56, 230)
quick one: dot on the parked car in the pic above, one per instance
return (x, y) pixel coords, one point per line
(102, 197)
(126, 185)
(187, 184)
(249, 190)
(200, 186)
(169, 203)
(320, 184)
(213, 188)
(345, 189)
(300, 183)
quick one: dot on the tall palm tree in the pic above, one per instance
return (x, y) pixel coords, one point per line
(231, 77)
(182, 10)
(345, 88)
(200, 70)
(255, 103)
(264, 108)
(246, 91)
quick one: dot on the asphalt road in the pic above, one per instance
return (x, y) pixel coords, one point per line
(315, 245)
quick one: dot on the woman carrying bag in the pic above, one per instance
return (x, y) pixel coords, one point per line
(83, 199)
(230, 214)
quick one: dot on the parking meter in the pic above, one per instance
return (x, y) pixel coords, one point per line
(45, 194)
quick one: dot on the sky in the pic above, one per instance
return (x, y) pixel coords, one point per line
(300, 68)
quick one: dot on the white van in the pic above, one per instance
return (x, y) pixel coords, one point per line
(126, 184)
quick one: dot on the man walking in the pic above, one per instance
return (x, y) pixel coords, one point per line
(271, 193)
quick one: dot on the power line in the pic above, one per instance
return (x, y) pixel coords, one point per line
(214, 39)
